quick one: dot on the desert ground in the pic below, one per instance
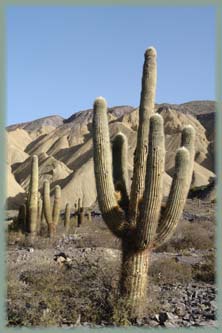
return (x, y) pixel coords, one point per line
(44, 290)
(72, 280)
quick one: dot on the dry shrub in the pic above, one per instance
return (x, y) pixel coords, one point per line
(170, 271)
(196, 235)
(57, 296)
(205, 270)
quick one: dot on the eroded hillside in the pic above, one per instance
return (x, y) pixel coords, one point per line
(64, 147)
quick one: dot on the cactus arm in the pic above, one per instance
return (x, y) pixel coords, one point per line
(33, 196)
(188, 141)
(145, 111)
(151, 202)
(177, 197)
(112, 214)
(120, 169)
(56, 206)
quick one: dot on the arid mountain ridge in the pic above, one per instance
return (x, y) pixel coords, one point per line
(64, 147)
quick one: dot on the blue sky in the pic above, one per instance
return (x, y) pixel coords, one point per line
(59, 59)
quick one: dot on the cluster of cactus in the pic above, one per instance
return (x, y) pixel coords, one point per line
(35, 210)
(51, 214)
(78, 215)
(137, 217)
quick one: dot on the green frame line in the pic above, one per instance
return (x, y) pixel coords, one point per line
(218, 95)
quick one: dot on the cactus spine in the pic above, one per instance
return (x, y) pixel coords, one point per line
(33, 198)
(137, 218)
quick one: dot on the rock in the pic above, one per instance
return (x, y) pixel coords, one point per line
(186, 317)
(152, 323)
(171, 316)
(213, 305)
(180, 309)
(209, 315)
(139, 322)
(62, 258)
(170, 324)
(162, 317)
(31, 250)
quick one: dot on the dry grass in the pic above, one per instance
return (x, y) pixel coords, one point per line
(170, 271)
(198, 236)
(54, 295)
(41, 293)
(205, 271)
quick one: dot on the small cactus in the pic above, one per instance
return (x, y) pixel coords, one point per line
(136, 216)
(80, 214)
(89, 217)
(75, 214)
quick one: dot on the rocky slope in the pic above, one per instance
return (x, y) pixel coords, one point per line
(65, 150)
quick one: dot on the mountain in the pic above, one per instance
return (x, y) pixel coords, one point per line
(65, 151)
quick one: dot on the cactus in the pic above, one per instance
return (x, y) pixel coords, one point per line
(39, 212)
(75, 215)
(32, 204)
(21, 220)
(51, 216)
(137, 218)
(67, 218)
(80, 214)
(89, 217)
(47, 208)
(79, 204)
(56, 206)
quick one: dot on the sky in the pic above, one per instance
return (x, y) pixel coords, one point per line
(59, 59)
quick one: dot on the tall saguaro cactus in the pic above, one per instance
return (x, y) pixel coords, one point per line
(33, 197)
(137, 217)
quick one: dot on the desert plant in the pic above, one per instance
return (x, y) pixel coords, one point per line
(137, 217)
(51, 216)
(32, 203)
(75, 215)
(56, 205)
(21, 220)
(67, 218)
(80, 213)
(89, 217)
(39, 212)
(47, 208)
